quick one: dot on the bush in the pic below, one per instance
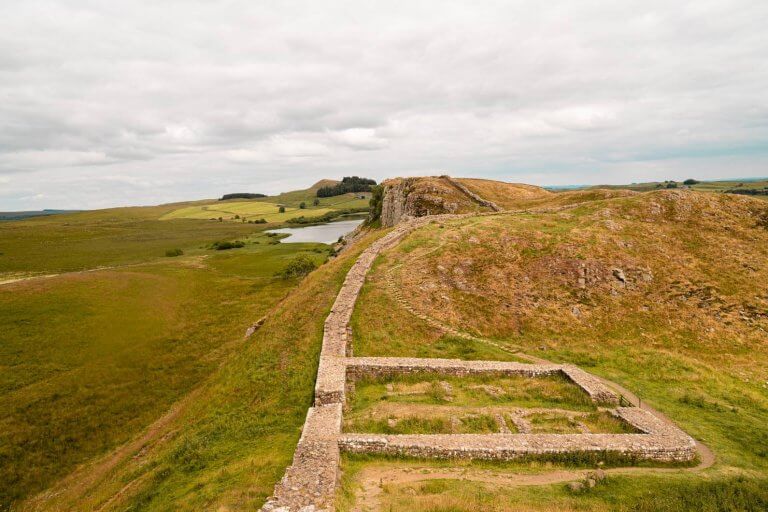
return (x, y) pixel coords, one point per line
(299, 266)
(377, 199)
(281, 209)
(690, 181)
(223, 246)
(172, 252)
(302, 205)
(316, 202)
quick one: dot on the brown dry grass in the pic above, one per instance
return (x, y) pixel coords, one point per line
(509, 196)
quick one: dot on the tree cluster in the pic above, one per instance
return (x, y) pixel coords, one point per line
(347, 184)
(241, 195)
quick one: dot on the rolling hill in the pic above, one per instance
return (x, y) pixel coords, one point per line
(658, 295)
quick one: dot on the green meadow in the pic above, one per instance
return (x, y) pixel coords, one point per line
(90, 359)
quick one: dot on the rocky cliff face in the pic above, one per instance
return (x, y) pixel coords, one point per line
(417, 197)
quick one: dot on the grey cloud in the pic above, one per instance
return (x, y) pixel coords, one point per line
(199, 97)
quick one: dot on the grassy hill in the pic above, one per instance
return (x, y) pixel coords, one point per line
(268, 208)
(731, 186)
(661, 292)
(138, 383)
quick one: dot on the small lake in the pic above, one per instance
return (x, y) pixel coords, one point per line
(319, 233)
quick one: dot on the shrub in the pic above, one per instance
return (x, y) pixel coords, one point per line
(302, 205)
(281, 209)
(377, 199)
(316, 202)
(299, 266)
(173, 252)
(223, 246)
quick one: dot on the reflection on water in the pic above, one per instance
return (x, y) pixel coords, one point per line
(320, 233)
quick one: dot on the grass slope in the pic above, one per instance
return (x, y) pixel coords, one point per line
(661, 292)
(88, 360)
(232, 443)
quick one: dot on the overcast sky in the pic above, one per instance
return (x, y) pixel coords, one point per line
(115, 103)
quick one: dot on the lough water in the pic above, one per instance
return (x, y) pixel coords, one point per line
(320, 233)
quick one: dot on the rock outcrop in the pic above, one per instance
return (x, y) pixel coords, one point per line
(406, 198)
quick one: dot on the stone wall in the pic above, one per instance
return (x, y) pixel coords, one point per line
(309, 484)
(659, 442)
(311, 480)
(386, 366)
(479, 200)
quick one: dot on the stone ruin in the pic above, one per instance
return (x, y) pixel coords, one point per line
(310, 482)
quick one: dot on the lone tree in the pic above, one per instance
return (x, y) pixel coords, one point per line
(316, 202)
(690, 181)
(302, 205)
(281, 209)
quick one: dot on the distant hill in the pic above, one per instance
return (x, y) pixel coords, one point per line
(743, 186)
(32, 213)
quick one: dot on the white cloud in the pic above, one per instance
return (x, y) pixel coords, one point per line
(201, 98)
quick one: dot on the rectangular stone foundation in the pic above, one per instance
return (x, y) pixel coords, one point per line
(659, 442)
(357, 367)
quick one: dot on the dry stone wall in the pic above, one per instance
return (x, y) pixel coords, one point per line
(661, 442)
(479, 200)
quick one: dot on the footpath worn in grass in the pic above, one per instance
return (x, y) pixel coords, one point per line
(380, 327)
(88, 360)
(232, 443)
(654, 493)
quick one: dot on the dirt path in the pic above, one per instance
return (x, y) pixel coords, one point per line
(196, 261)
(373, 478)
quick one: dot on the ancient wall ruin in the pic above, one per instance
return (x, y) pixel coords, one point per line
(309, 484)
